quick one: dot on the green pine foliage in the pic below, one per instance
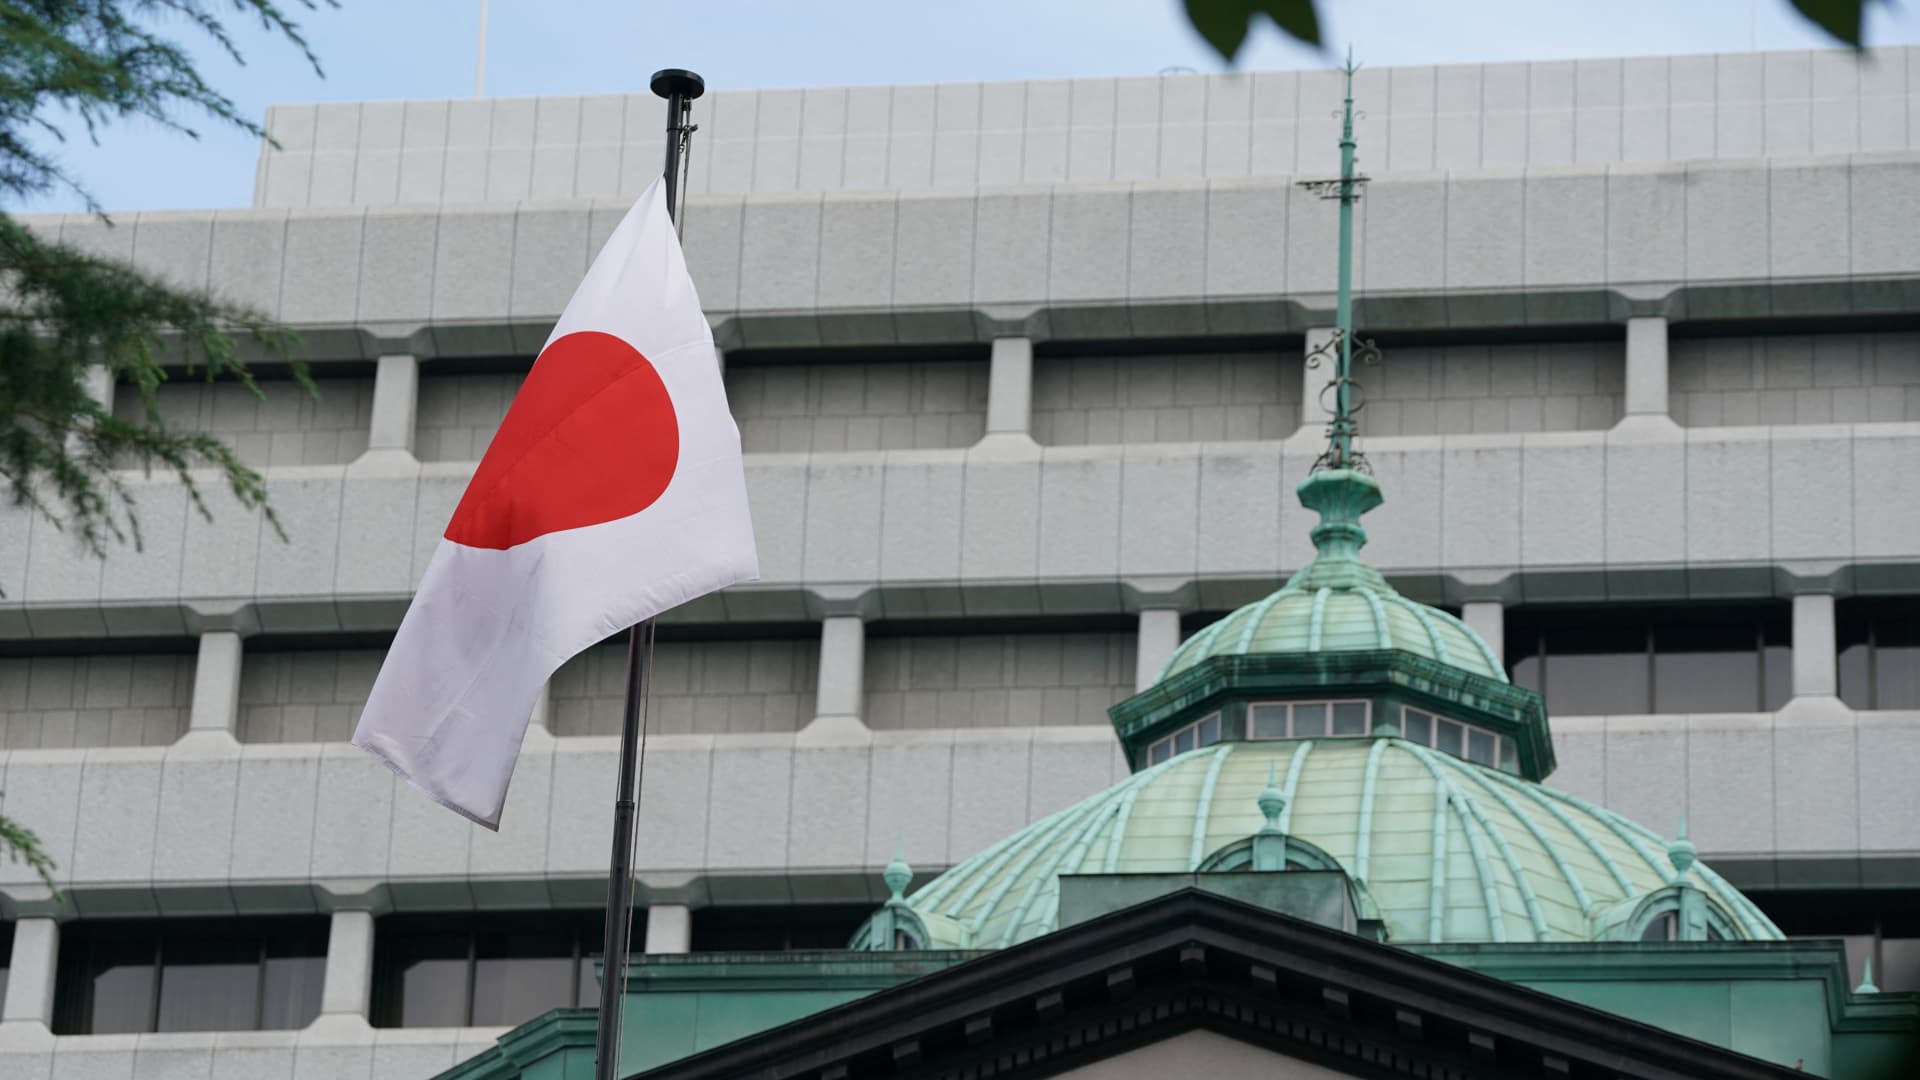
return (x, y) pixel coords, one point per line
(68, 316)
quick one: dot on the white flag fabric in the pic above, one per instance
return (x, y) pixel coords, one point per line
(612, 492)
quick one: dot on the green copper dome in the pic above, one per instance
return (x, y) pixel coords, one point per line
(1443, 850)
(1338, 603)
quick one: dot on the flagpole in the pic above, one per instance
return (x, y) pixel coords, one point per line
(680, 88)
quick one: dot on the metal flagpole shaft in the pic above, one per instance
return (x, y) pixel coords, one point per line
(680, 88)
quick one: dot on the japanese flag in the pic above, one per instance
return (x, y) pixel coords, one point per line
(612, 492)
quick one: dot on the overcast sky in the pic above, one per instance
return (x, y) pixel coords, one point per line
(405, 49)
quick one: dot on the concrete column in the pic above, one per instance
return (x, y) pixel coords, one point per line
(348, 989)
(1814, 670)
(1159, 636)
(216, 684)
(30, 972)
(396, 398)
(100, 386)
(843, 664)
(1315, 380)
(1647, 366)
(1488, 618)
(1010, 387)
(542, 717)
(669, 929)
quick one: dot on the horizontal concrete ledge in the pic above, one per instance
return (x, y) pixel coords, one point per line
(328, 1048)
(777, 818)
(1563, 245)
(1021, 530)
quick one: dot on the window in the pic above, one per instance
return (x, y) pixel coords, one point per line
(1599, 661)
(1879, 646)
(778, 928)
(200, 975)
(1662, 927)
(1878, 924)
(485, 971)
(1308, 720)
(1475, 744)
(1202, 732)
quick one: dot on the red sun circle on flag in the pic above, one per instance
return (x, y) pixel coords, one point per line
(591, 397)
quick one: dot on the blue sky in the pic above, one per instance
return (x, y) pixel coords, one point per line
(402, 49)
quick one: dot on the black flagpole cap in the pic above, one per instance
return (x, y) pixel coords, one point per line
(678, 81)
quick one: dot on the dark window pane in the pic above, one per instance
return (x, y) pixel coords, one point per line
(1210, 730)
(1446, 736)
(1419, 727)
(432, 976)
(1896, 676)
(1855, 687)
(588, 988)
(1707, 667)
(1697, 682)
(516, 977)
(1479, 747)
(120, 984)
(1309, 721)
(1509, 755)
(1778, 682)
(290, 991)
(1269, 721)
(777, 928)
(1592, 671)
(1159, 752)
(1661, 928)
(209, 984)
(1900, 960)
(1183, 740)
(1525, 672)
(1350, 718)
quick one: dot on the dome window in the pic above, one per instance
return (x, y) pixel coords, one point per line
(1202, 732)
(1466, 741)
(1309, 719)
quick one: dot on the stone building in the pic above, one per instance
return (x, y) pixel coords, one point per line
(1021, 372)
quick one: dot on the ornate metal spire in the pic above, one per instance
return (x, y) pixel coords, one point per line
(1340, 348)
(1340, 487)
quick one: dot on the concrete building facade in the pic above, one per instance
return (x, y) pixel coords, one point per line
(1020, 370)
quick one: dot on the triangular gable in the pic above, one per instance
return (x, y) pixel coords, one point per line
(1190, 962)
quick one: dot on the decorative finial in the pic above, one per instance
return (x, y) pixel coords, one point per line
(898, 875)
(1681, 852)
(1341, 430)
(1272, 802)
(1340, 488)
(1866, 980)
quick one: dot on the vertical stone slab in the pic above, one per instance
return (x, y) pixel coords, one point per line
(1159, 635)
(396, 395)
(669, 929)
(30, 972)
(1813, 646)
(216, 684)
(1647, 366)
(1010, 387)
(843, 649)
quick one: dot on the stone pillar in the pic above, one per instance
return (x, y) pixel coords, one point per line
(1010, 387)
(100, 386)
(542, 717)
(348, 989)
(843, 663)
(669, 929)
(1488, 618)
(1647, 367)
(1814, 671)
(1314, 412)
(216, 685)
(1159, 636)
(30, 972)
(396, 398)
